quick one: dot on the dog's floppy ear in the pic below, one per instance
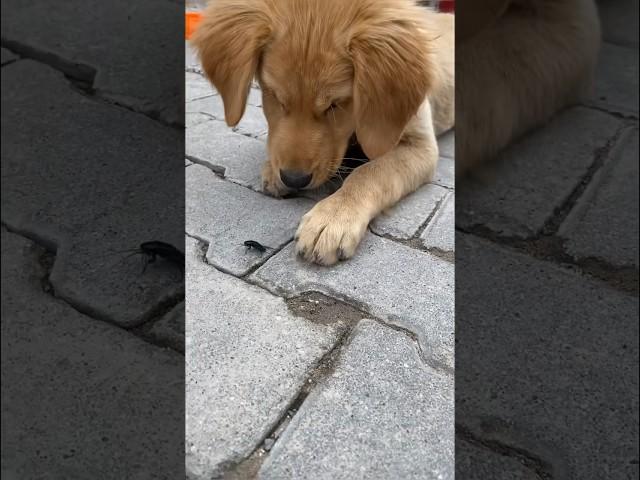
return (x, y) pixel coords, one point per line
(391, 80)
(229, 41)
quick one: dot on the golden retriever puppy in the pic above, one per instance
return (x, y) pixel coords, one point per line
(518, 62)
(328, 69)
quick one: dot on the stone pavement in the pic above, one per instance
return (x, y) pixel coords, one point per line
(547, 305)
(300, 371)
(93, 384)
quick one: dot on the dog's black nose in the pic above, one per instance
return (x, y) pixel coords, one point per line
(295, 179)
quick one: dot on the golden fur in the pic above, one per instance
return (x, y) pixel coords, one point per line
(517, 63)
(382, 69)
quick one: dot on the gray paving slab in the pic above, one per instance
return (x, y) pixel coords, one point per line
(616, 83)
(78, 201)
(113, 38)
(405, 218)
(255, 97)
(402, 285)
(247, 358)
(381, 414)
(191, 61)
(440, 232)
(192, 119)
(445, 175)
(520, 191)
(197, 86)
(211, 105)
(447, 144)
(253, 122)
(8, 56)
(169, 329)
(604, 223)
(225, 215)
(239, 157)
(619, 20)
(476, 462)
(80, 398)
(578, 418)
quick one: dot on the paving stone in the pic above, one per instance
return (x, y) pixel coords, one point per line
(81, 202)
(617, 79)
(255, 97)
(191, 61)
(193, 119)
(518, 193)
(225, 215)
(80, 398)
(440, 232)
(402, 285)
(211, 105)
(169, 330)
(215, 145)
(8, 56)
(447, 144)
(571, 398)
(619, 20)
(406, 217)
(474, 462)
(248, 356)
(445, 173)
(197, 86)
(604, 223)
(117, 38)
(253, 122)
(381, 414)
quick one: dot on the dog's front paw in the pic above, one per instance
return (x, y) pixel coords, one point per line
(331, 231)
(271, 183)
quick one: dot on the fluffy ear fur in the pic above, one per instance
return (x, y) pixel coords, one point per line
(229, 41)
(392, 77)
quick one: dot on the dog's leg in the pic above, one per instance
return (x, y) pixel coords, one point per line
(333, 229)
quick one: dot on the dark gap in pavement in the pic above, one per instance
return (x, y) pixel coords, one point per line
(82, 78)
(326, 311)
(76, 71)
(618, 115)
(415, 243)
(601, 155)
(47, 259)
(542, 469)
(549, 248)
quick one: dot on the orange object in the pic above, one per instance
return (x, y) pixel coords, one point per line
(192, 21)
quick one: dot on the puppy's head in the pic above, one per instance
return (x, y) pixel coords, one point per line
(327, 69)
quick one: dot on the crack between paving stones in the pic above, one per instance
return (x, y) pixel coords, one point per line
(47, 261)
(433, 213)
(548, 247)
(81, 78)
(541, 468)
(426, 358)
(551, 250)
(416, 244)
(393, 323)
(248, 467)
(203, 243)
(628, 116)
(600, 154)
